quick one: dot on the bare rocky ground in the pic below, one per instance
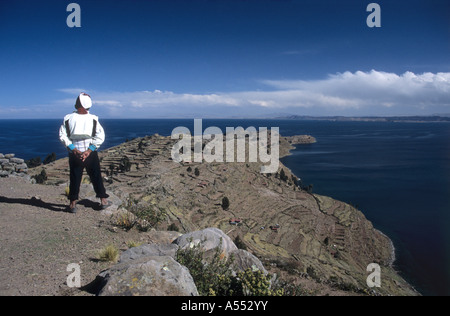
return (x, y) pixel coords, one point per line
(39, 239)
(321, 244)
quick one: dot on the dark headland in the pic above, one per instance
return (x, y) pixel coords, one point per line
(321, 244)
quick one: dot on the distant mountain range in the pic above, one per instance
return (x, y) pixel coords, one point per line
(432, 118)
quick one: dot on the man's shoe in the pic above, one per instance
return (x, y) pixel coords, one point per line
(73, 210)
(105, 206)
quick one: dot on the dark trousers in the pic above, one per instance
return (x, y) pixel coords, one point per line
(92, 165)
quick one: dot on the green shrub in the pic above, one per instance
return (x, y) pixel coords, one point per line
(50, 158)
(144, 217)
(225, 203)
(173, 227)
(41, 178)
(283, 175)
(239, 243)
(148, 217)
(214, 276)
(125, 220)
(255, 283)
(125, 164)
(33, 162)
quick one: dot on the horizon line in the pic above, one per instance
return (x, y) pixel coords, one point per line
(275, 117)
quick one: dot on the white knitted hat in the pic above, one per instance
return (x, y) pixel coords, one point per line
(84, 100)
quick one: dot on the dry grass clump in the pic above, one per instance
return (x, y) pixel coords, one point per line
(109, 254)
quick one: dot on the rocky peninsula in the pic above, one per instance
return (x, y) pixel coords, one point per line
(321, 245)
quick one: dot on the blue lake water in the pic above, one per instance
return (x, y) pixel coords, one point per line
(397, 174)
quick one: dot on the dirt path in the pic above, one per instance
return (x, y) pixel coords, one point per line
(38, 239)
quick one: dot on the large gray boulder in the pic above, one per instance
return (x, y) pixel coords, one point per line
(149, 250)
(152, 270)
(244, 260)
(209, 239)
(148, 276)
(16, 160)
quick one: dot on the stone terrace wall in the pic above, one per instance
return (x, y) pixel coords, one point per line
(10, 165)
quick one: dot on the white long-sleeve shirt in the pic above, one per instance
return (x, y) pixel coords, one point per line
(81, 131)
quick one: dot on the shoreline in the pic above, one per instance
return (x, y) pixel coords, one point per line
(392, 246)
(391, 262)
(392, 258)
(170, 186)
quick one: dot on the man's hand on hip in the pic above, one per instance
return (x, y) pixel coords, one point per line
(85, 154)
(77, 153)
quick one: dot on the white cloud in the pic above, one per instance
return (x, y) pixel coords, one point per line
(373, 89)
(359, 93)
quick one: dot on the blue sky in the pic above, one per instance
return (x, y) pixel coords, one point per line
(225, 58)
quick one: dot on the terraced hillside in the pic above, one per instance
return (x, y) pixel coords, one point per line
(314, 239)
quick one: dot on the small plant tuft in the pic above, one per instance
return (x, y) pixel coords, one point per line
(133, 244)
(109, 254)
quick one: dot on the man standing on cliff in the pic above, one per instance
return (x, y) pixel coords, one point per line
(82, 135)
